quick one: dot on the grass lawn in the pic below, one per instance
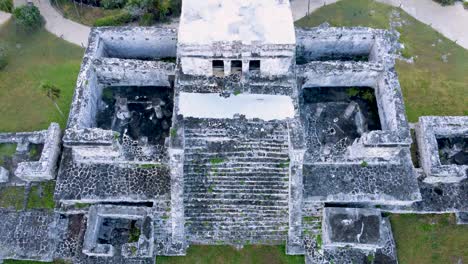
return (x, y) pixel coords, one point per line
(430, 86)
(229, 255)
(6, 151)
(42, 196)
(34, 58)
(82, 14)
(430, 239)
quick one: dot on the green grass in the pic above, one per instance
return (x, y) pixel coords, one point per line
(42, 196)
(430, 239)
(12, 197)
(34, 58)
(83, 14)
(217, 160)
(430, 86)
(6, 150)
(229, 255)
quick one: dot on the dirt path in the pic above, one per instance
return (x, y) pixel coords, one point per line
(58, 25)
(450, 21)
(4, 17)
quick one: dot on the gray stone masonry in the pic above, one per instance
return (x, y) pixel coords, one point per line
(236, 181)
(142, 248)
(352, 235)
(4, 175)
(45, 167)
(28, 235)
(429, 130)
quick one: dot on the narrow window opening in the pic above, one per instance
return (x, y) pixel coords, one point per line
(236, 67)
(254, 66)
(218, 68)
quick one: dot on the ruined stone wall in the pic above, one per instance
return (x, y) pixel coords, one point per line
(354, 44)
(139, 42)
(123, 45)
(118, 72)
(395, 129)
(275, 60)
(43, 169)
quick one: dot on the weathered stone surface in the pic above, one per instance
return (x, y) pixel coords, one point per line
(429, 130)
(27, 235)
(236, 181)
(27, 168)
(383, 252)
(89, 182)
(4, 175)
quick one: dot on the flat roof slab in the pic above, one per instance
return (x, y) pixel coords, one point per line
(392, 183)
(265, 107)
(246, 21)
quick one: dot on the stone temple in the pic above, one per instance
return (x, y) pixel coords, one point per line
(235, 129)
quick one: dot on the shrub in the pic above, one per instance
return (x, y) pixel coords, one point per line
(161, 9)
(446, 2)
(111, 4)
(3, 57)
(6, 5)
(115, 20)
(176, 7)
(28, 17)
(147, 19)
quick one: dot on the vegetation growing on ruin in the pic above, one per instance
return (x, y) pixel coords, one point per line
(250, 254)
(217, 160)
(6, 151)
(430, 85)
(430, 239)
(12, 197)
(42, 196)
(35, 57)
(134, 234)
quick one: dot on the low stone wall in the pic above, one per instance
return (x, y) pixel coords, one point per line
(46, 167)
(43, 169)
(346, 43)
(428, 130)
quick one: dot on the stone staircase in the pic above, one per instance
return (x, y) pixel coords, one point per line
(236, 182)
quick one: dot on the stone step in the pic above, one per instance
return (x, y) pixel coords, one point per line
(247, 197)
(197, 144)
(238, 189)
(237, 155)
(215, 215)
(240, 168)
(211, 181)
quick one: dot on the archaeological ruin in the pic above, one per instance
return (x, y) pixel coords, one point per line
(235, 129)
